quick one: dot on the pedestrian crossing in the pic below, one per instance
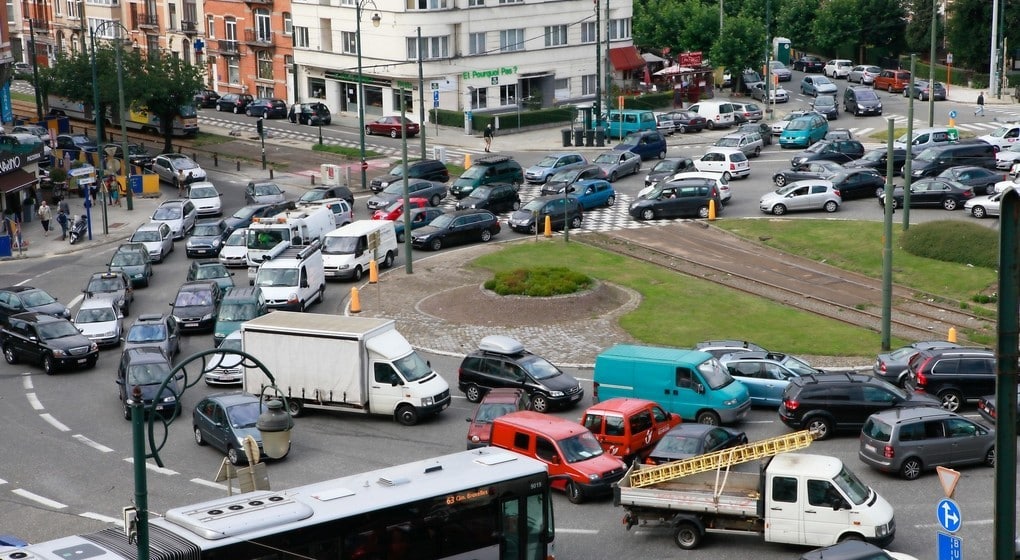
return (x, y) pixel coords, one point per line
(979, 128)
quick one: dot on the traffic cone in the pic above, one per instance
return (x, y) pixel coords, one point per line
(711, 210)
(355, 301)
(952, 335)
(548, 226)
(373, 272)
(467, 161)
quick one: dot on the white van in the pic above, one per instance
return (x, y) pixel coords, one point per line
(716, 113)
(347, 251)
(292, 277)
(925, 138)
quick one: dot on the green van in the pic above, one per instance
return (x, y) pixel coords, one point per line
(238, 305)
(487, 170)
(619, 124)
(690, 383)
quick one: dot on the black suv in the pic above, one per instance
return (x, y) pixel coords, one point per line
(429, 169)
(839, 151)
(485, 171)
(954, 375)
(20, 299)
(682, 198)
(559, 209)
(501, 361)
(828, 402)
(315, 114)
(147, 368)
(115, 286)
(496, 198)
(206, 98)
(53, 342)
(235, 102)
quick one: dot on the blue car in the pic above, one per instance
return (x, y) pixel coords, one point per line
(224, 420)
(817, 85)
(419, 217)
(804, 131)
(766, 374)
(647, 144)
(593, 193)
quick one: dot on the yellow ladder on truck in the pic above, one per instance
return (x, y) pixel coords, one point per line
(720, 459)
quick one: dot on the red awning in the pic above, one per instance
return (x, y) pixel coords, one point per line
(626, 58)
(15, 180)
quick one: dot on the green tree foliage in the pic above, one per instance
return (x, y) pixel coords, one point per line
(688, 25)
(169, 83)
(837, 24)
(740, 45)
(918, 32)
(794, 20)
(969, 32)
(884, 23)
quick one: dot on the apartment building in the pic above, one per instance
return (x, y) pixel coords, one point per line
(249, 46)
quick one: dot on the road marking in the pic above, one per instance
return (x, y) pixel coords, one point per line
(209, 483)
(2, 481)
(97, 446)
(23, 282)
(103, 518)
(27, 381)
(77, 299)
(577, 531)
(37, 498)
(153, 468)
(34, 401)
(54, 422)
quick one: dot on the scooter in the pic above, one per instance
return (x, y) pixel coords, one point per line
(78, 229)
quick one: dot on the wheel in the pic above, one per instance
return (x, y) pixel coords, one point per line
(710, 125)
(533, 228)
(539, 403)
(198, 436)
(247, 112)
(831, 206)
(780, 180)
(978, 212)
(236, 110)
(357, 273)
(890, 88)
(757, 151)
(821, 425)
(49, 367)
(575, 222)
(574, 493)
(990, 457)
(708, 417)
(687, 536)
(951, 400)
(486, 236)
(611, 200)
(435, 200)
(682, 129)
(436, 244)
(612, 177)
(911, 468)
(393, 134)
(368, 131)
(516, 205)
(851, 537)
(662, 154)
(647, 214)
(127, 412)
(9, 355)
(322, 294)
(407, 415)
(233, 456)
(294, 407)
(474, 393)
(726, 176)
(779, 209)
(703, 212)
(388, 259)
(950, 204)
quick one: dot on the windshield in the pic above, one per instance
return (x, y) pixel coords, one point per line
(714, 373)
(474, 173)
(852, 487)
(245, 213)
(579, 448)
(35, 298)
(263, 190)
(211, 271)
(208, 230)
(236, 238)
(798, 366)
(95, 315)
(565, 176)
(487, 412)
(610, 158)
(819, 81)
(147, 333)
(147, 374)
(313, 195)
(167, 213)
(538, 368)
(145, 236)
(266, 239)
(397, 170)
(104, 285)
(340, 245)
(412, 367)
(547, 161)
(269, 277)
(126, 259)
(824, 101)
(678, 446)
(57, 329)
(194, 298)
(927, 155)
(243, 415)
(534, 205)
(728, 142)
(203, 192)
(395, 188)
(442, 221)
(798, 124)
(238, 311)
(663, 165)
(866, 95)
(481, 193)
(874, 155)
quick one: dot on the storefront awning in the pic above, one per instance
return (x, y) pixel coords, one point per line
(625, 58)
(15, 180)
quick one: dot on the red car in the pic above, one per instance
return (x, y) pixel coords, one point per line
(391, 127)
(496, 403)
(396, 209)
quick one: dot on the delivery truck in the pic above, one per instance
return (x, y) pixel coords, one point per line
(793, 498)
(333, 362)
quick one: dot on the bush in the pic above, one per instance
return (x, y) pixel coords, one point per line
(953, 241)
(538, 282)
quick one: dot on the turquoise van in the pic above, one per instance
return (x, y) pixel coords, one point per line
(804, 131)
(690, 383)
(619, 124)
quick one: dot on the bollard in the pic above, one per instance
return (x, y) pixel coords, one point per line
(711, 209)
(216, 159)
(548, 226)
(238, 165)
(952, 334)
(467, 161)
(270, 172)
(313, 179)
(194, 157)
(373, 272)
(355, 301)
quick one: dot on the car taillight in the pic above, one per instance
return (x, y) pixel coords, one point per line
(790, 404)
(595, 392)
(881, 367)
(733, 166)
(836, 192)
(968, 193)
(919, 377)
(888, 452)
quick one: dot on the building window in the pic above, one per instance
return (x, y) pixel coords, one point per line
(301, 37)
(263, 25)
(508, 94)
(408, 101)
(511, 40)
(317, 87)
(348, 42)
(151, 43)
(475, 3)
(476, 43)
(619, 28)
(172, 24)
(478, 100)
(233, 70)
(589, 85)
(210, 27)
(431, 48)
(190, 13)
(288, 63)
(265, 65)
(511, 1)
(561, 84)
(587, 32)
(426, 4)
(230, 29)
(108, 31)
(288, 24)
(72, 9)
(555, 35)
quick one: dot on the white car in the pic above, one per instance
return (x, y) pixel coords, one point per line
(99, 319)
(1005, 159)
(234, 252)
(776, 94)
(730, 162)
(984, 206)
(779, 126)
(1005, 136)
(157, 238)
(838, 68)
(226, 369)
(1013, 181)
(206, 198)
(816, 194)
(180, 214)
(167, 167)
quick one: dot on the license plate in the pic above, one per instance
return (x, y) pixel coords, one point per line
(190, 325)
(82, 360)
(870, 448)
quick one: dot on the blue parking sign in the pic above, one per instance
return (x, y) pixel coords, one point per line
(950, 547)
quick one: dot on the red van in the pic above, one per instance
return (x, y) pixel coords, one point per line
(577, 465)
(628, 428)
(496, 403)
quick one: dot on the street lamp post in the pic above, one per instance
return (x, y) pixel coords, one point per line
(376, 20)
(99, 120)
(274, 425)
(120, 102)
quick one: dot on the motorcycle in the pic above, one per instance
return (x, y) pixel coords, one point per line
(78, 229)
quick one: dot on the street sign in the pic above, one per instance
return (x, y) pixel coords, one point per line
(435, 96)
(950, 547)
(952, 115)
(948, 477)
(949, 516)
(435, 104)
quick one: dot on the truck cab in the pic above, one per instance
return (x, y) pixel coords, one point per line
(628, 428)
(292, 278)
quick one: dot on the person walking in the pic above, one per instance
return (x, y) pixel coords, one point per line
(180, 183)
(487, 136)
(114, 189)
(980, 105)
(63, 206)
(45, 214)
(62, 221)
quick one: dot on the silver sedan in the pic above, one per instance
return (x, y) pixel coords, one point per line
(618, 164)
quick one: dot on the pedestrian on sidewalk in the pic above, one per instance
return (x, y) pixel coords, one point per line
(980, 105)
(28, 206)
(63, 206)
(487, 136)
(114, 189)
(181, 181)
(62, 221)
(45, 214)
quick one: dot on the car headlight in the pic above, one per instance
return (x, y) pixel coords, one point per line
(730, 402)
(555, 393)
(207, 317)
(168, 399)
(139, 275)
(107, 334)
(594, 477)
(343, 267)
(385, 184)
(428, 401)
(879, 105)
(60, 353)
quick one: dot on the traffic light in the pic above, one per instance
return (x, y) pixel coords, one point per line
(260, 128)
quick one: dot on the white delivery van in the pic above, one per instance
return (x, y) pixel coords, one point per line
(292, 278)
(347, 251)
(718, 114)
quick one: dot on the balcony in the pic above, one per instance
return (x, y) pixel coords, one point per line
(40, 25)
(146, 21)
(226, 46)
(258, 37)
(189, 28)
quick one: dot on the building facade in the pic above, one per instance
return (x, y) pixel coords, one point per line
(249, 46)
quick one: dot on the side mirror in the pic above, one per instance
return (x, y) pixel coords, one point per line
(699, 388)
(555, 459)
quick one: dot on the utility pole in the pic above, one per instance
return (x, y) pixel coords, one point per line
(598, 64)
(931, 62)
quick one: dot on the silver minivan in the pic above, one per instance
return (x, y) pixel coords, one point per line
(924, 138)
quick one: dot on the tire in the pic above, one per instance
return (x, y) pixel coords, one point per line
(779, 209)
(247, 112)
(703, 212)
(821, 425)
(662, 154)
(127, 412)
(575, 222)
(236, 111)
(516, 205)
(574, 493)
(610, 201)
(682, 129)
(9, 355)
(890, 88)
(486, 236)
(198, 437)
(708, 418)
(950, 204)
(295, 408)
(234, 456)
(612, 177)
(435, 200)
(322, 294)
(407, 415)
(436, 244)
(951, 400)
(726, 176)
(978, 212)
(911, 468)
(47, 364)
(779, 180)
(710, 125)
(474, 393)
(533, 229)
(990, 457)
(539, 403)
(851, 537)
(393, 134)
(648, 214)
(357, 274)
(831, 206)
(368, 131)
(388, 259)
(757, 151)
(687, 536)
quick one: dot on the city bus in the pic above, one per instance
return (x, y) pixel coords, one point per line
(485, 504)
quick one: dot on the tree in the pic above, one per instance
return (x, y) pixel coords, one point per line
(968, 32)
(167, 84)
(795, 19)
(884, 26)
(838, 23)
(739, 45)
(918, 30)
(680, 26)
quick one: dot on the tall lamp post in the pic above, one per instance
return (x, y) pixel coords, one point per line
(376, 20)
(274, 424)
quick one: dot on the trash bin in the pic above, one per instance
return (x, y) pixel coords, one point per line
(566, 137)
(579, 137)
(589, 137)
(600, 137)
(5, 246)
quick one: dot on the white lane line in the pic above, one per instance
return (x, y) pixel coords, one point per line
(34, 401)
(97, 446)
(209, 483)
(37, 498)
(2, 481)
(26, 381)
(100, 517)
(23, 282)
(77, 299)
(153, 468)
(54, 422)
(577, 531)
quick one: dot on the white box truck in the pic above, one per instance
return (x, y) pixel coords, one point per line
(810, 500)
(352, 364)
